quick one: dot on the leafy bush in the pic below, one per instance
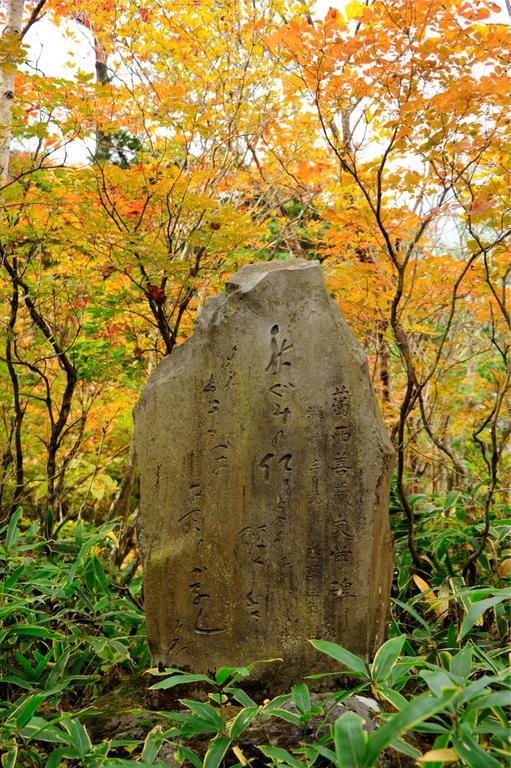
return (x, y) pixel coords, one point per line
(447, 530)
(70, 625)
(459, 702)
(72, 628)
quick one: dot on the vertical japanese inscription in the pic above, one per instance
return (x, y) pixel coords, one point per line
(176, 644)
(277, 464)
(313, 574)
(317, 565)
(274, 466)
(217, 390)
(278, 349)
(205, 622)
(203, 588)
(228, 368)
(341, 534)
(191, 519)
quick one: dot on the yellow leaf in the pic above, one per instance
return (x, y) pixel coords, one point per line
(483, 29)
(442, 755)
(423, 585)
(239, 754)
(439, 606)
(354, 9)
(504, 569)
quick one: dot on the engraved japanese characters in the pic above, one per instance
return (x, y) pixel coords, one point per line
(265, 470)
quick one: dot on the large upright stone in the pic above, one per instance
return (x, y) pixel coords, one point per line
(265, 471)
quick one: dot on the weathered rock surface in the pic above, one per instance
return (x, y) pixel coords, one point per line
(129, 713)
(265, 470)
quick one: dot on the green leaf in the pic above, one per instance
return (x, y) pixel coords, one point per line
(493, 699)
(437, 680)
(185, 754)
(122, 762)
(325, 752)
(321, 675)
(13, 529)
(397, 700)
(170, 682)
(490, 662)
(461, 663)
(451, 499)
(301, 697)
(354, 663)
(289, 717)
(241, 697)
(25, 711)
(218, 698)
(242, 721)
(152, 744)
(10, 757)
(475, 688)
(416, 615)
(32, 630)
(276, 703)
(280, 755)
(385, 659)
(79, 735)
(476, 610)
(57, 755)
(469, 750)
(57, 671)
(9, 582)
(216, 751)
(341, 696)
(192, 724)
(28, 685)
(40, 729)
(224, 673)
(414, 712)
(350, 740)
(205, 711)
(25, 664)
(100, 576)
(406, 749)
(401, 670)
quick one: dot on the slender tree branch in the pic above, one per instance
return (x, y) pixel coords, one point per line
(34, 17)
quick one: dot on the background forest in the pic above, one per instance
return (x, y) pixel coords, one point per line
(374, 138)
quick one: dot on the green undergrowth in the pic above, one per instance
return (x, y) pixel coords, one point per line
(72, 631)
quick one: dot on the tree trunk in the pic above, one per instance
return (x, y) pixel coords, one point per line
(10, 38)
(121, 505)
(103, 141)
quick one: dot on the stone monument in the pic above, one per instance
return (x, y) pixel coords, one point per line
(265, 470)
